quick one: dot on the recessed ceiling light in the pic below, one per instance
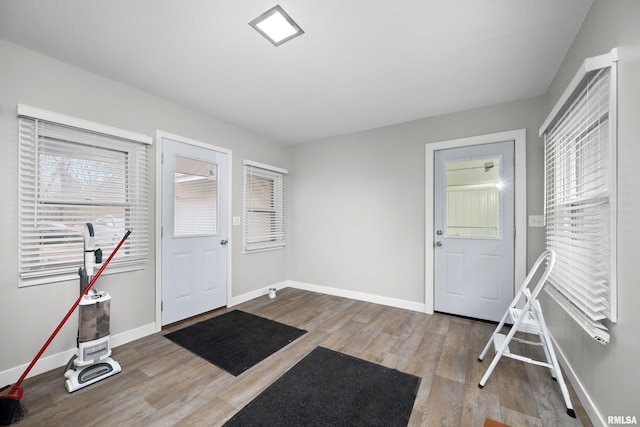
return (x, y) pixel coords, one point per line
(276, 26)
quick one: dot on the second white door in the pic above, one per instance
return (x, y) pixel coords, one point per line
(474, 230)
(194, 230)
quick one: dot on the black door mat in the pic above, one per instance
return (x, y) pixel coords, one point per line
(235, 341)
(328, 388)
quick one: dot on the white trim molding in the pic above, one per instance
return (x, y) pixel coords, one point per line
(246, 162)
(50, 116)
(360, 296)
(55, 361)
(257, 293)
(583, 396)
(328, 290)
(588, 65)
(519, 136)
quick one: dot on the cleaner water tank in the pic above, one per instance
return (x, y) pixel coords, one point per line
(95, 310)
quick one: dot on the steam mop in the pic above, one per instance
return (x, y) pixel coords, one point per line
(93, 361)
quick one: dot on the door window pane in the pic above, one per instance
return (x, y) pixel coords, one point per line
(473, 198)
(196, 198)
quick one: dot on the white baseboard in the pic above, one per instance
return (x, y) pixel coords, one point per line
(360, 296)
(58, 360)
(590, 408)
(44, 364)
(255, 294)
(132, 335)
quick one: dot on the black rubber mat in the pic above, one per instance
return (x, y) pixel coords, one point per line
(328, 388)
(235, 341)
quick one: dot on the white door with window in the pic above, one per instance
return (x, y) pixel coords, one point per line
(474, 230)
(194, 230)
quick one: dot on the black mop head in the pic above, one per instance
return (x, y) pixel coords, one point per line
(10, 410)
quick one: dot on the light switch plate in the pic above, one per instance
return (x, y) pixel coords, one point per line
(236, 220)
(536, 221)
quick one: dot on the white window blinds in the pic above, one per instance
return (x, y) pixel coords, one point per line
(580, 171)
(196, 198)
(264, 213)
(69, 176)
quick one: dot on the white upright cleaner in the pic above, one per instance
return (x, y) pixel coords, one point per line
(92, 362)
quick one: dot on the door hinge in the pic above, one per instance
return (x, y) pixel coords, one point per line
(161, 232)
(161, 305)
(514, 232)
(161, 158)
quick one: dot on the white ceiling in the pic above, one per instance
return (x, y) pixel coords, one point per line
(361, 64)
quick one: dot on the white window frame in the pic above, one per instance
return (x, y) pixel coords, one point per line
(33, 268)
(255, 236)
(581, 229)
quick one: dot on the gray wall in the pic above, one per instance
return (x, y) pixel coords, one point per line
(358, 201)
(29, 315)
(611, 373)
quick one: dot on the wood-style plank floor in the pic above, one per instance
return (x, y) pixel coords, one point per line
(162, 384)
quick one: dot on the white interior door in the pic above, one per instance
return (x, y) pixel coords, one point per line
(474, 230)
(194, 230)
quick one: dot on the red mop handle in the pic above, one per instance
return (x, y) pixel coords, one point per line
(16, 386)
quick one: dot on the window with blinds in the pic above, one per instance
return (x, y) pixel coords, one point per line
(264, 214)
(196, 198)
(69, 176)
(580, 202)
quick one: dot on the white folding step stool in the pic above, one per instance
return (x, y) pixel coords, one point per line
(528, 319)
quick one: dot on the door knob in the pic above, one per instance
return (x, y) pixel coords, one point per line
(438, 243)
(223, 242)
(439, 232)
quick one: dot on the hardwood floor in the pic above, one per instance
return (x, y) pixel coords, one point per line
(162, 384)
